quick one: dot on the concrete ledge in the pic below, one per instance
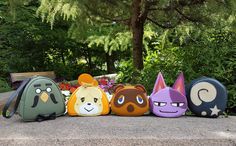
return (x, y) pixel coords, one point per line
(115, 130)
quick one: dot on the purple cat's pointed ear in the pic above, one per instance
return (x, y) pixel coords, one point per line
(160, 83)
(179, 84)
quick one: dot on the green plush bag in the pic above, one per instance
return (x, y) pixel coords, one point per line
(37, 99)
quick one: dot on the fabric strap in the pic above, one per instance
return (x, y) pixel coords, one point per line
(17, 94)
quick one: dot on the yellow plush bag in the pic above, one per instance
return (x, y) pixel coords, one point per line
(88, 99)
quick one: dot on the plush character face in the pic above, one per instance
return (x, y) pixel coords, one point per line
(167, 101)
(88, 101)
(43, 93)
(42, 97)
(207, 97)
(129, 100)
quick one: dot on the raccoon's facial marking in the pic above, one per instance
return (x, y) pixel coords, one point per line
(130, 95)
(129, 100)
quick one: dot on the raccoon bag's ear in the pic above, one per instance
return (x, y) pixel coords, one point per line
(160, 84)
(87, 80)
(179, 84)
(141, 87)
(118, 87)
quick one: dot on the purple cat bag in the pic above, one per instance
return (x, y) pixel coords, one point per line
(166, 101)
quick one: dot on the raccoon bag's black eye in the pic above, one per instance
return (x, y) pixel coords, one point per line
(95, 100)
(82, 99)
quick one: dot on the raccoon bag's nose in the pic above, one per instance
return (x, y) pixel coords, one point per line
(130, 108)
(89, 103)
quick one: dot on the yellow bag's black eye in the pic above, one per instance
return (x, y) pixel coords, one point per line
(82, 99)
(95, 100)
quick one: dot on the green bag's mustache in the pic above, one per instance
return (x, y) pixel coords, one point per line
(36, 99)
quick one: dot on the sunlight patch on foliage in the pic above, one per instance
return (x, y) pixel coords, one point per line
(50, 8)
(121, 41)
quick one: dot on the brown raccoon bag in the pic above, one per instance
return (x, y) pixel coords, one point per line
(129, 100)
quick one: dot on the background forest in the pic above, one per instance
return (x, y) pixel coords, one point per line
(134, 38)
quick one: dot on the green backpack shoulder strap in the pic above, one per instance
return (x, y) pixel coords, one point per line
(17, 94)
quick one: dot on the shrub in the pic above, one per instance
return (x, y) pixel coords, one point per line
(211, 54)
(4, 87)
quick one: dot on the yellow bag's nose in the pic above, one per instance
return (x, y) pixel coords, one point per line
(44, 97)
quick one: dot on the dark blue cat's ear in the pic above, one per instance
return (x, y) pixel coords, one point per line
(179, 84)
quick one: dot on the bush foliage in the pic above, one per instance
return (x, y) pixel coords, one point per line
(93, 45)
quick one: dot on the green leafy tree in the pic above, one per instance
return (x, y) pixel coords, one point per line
(134, 14)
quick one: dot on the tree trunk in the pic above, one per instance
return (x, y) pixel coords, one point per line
(90, 61)
(137, 26)
(110, 63)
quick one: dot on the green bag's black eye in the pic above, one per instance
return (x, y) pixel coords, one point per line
(82, 99)
(95, 100)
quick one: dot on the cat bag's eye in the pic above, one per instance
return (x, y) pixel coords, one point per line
(159, 103)
(177, 104)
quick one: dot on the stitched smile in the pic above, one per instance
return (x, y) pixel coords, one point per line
(167, 111)
(88, 110)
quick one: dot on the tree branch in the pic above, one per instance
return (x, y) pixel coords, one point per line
(117, 19)
(176, 4)
(187, 17)
(165, 26)
(147, 8)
